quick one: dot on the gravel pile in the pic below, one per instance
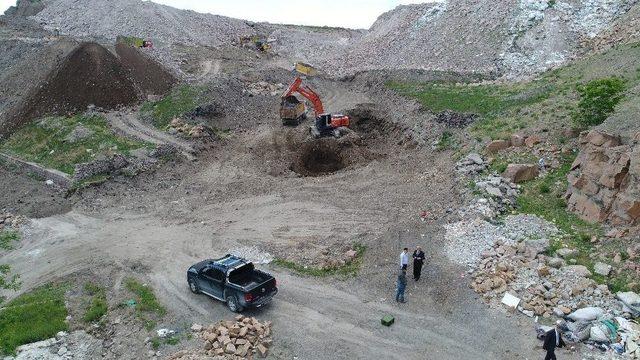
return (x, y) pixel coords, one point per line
(467, 239)
(492, 38)
(164, 25)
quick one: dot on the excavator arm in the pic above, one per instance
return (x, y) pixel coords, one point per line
(296, 87)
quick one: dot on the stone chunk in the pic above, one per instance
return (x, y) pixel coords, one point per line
(497, 145)
(602, 269)
(533, 140)
(518, 173)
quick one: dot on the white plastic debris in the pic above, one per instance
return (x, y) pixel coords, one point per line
(163, 333)
(49, 182)
(510, 300)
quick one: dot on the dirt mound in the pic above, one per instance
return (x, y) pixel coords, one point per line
(371, 123)
(89, 75)
(152, 77)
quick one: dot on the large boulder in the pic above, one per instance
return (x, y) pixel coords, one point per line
(497, 145)
(518, 173)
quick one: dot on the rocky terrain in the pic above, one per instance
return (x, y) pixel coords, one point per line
(123, 166)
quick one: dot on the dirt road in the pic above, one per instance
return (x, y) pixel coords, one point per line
(313, 319)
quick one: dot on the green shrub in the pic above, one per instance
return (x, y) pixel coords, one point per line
(598, 99)
(544, 188)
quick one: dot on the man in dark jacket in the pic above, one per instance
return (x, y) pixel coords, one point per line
(418, 261)
(401, 285)
(552, 340)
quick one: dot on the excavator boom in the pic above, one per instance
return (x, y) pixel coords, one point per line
(296, 87)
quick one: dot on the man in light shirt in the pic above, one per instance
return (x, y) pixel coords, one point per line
(404, 259)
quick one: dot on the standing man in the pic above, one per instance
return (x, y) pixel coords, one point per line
(418, 261)
(404, 259)
(401, 285)
(552, 340)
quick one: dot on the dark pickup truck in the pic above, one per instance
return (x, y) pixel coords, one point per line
(233, 280)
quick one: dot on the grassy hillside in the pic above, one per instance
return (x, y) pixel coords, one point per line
(62, 142)
(543, 104)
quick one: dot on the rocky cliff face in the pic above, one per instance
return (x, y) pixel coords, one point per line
(603, 183)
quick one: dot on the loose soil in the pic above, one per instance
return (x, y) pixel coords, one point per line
(90, 75)
(27, 194)
(152, 77)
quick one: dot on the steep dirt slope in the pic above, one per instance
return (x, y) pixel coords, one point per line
(151, 77)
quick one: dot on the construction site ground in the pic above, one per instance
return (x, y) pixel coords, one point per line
(259, 186)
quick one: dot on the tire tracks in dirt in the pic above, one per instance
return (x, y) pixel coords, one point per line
(128, 125)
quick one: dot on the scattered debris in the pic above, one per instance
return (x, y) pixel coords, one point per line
(252, 254)
(264, 88)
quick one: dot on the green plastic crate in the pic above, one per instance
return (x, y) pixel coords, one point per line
(387, 320)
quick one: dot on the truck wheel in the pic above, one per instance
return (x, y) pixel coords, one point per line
(233, 304)
(193, 287)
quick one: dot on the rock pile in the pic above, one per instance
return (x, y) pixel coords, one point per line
(603, 183)
(455, 119)
(264, 88)
(467, 240)
(76, 345)
(164, 25)
(502, 191)
(546, 285)
(9, 221)
(472, 164)
(243, 338)
(181, 127)
(104, 165)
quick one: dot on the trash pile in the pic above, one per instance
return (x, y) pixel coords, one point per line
(614, 334)
(264, 88)
(521, 277)
(240, 339)
(9, 221)
(181, 127)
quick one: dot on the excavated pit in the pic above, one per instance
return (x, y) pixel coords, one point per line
(318, 158)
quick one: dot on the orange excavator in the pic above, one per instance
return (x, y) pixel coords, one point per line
(325, 124)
